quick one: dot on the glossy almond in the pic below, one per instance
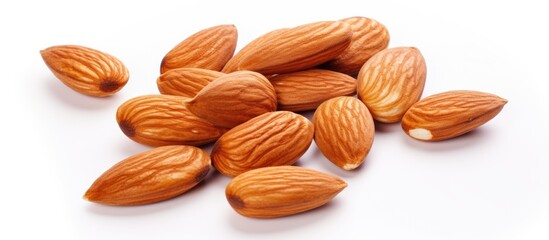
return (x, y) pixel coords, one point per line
(450, 114)
(281, 191)
(344, 131)
(85, 70)
(306, 90)
(158, 120)
(294, 49)
(151, 176)
(369, 37)
(391, 82)
(234, 99)
(186, 82)
(210, 49)
(271, 139)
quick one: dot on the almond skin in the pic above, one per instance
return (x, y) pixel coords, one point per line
(344, 131)
(369, 37)
(151, 176)
(158, 120)
(294, 49)
(186, 82)
(85, 70)
(234, 99)
(210, 49)
(271, 139)
(450, 114)
(391, 82)
(281, 191)
(306, 90)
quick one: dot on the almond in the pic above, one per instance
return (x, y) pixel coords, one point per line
(294, 49)
(369, 37)
(271, 139)
(344, 131)
(210, 49)
(281, 191)
(450, 114)
(186, 82)
(158, 120)
(306, 90)
(234, 98)
(85, 70)
(151, 176)
(391, 82)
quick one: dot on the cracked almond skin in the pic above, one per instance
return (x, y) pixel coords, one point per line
(281, 191)
(391, 82)
(271, 139)
(151, 176)
(186, 82)
(86, 70)
(234, 98)
(450, 114)
(369, 37)
(158, 120)
(344, 131)
(210, 49)
(292, 49)
(306, 90)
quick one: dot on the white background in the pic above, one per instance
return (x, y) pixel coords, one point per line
(490, 184)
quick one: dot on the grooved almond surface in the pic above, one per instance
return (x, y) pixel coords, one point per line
(450, 114)
(158, 120)
(344, 131)
(186, 82)
(85, 70)
(306, 90)
(281, 191)
(391, 82)
(369, 37)
(234, 99)
(294, 49)
(271, 139)
(210, 49)
(151, 176)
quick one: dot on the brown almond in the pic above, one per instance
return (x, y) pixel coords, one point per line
(186, 82)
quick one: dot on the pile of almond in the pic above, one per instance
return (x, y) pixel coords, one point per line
(247, 102)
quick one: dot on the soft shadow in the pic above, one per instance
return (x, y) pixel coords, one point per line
(74, 99)
(308, 114)
(331, 168)
(382, 128)
(467, 140)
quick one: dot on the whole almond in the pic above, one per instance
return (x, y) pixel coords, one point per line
(271, 139)
(294, 49)
(186, 82)
(85, 70)
(151, 176)
(391, 82)
(281, 191)
(344, 131)
(158, 120)
(210, 49)
(450, 114)
(234, 98)
(369, 37)
(306, 90)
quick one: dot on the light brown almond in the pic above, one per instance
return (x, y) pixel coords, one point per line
(234, 99)
(85, 70)
(391, 82)
(186, 82)
(306, 90)
(344, 131)
(210, 49)
(450, 114)
(158, 120)
(151, 176)
(271, 139)
(294, 49)
(281, 191)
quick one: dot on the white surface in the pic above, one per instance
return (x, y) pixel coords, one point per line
(490, 184)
